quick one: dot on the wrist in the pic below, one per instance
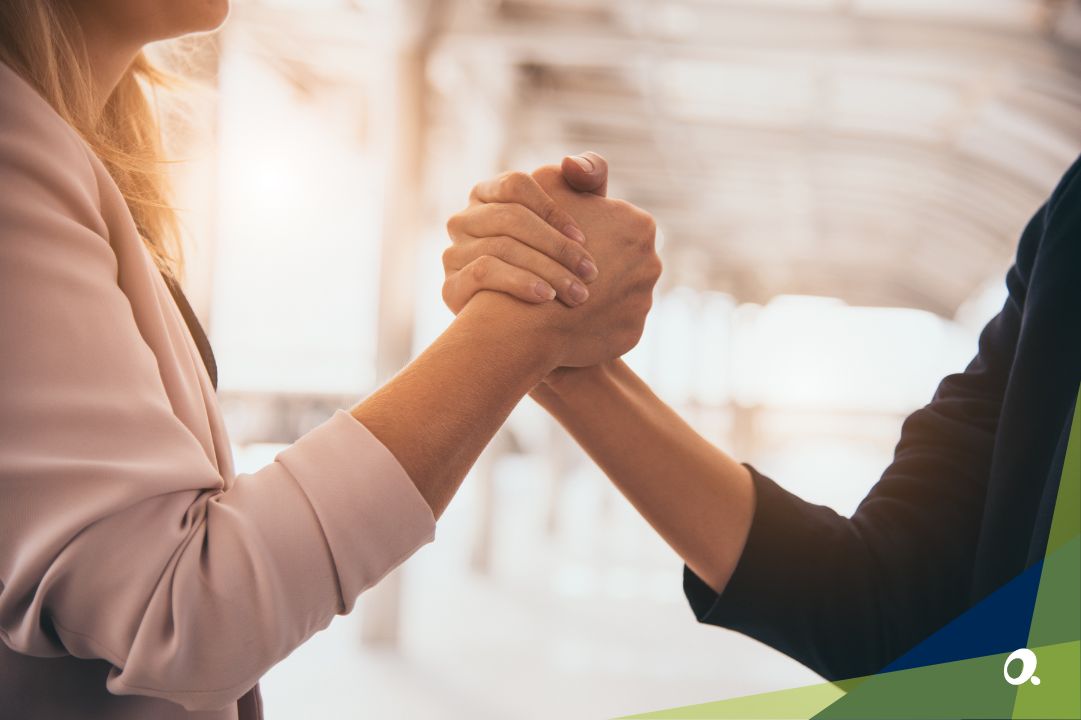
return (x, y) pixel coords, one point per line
(520, 327)
(567, 382)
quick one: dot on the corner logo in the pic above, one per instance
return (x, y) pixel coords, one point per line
(1028, 668)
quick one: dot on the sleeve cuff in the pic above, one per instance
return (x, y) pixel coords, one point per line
(372, 515)
(754, 580)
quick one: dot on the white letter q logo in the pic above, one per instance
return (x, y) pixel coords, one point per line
(1028, 667)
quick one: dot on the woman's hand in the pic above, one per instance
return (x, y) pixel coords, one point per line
(513, 238)
(621, 238)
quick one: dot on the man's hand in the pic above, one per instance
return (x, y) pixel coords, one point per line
(622, 239)
(587, 172)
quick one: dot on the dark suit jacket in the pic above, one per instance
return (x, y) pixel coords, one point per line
(965, 506)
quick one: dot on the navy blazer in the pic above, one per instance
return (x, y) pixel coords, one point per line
(965, 505)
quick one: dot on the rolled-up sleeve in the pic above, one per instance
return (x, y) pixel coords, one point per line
(119, 537)
(324, 463)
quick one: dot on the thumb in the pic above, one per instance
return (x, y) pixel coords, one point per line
(587, 172)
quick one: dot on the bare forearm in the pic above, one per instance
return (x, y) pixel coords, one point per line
(698, 498)
(437, 415)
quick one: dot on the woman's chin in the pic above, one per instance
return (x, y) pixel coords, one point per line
(217, 12)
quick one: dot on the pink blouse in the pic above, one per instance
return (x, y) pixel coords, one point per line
(139, 576)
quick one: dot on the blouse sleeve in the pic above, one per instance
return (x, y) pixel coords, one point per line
(118, 539)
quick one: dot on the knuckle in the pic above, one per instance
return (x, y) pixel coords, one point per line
(448, 257)
(562, 282)
(455, 291)
(549, 212)
(648, 224)
(655, 268)
(566, 254)
(481, 268)
(454, 222)
(643, 222)
(511, 185)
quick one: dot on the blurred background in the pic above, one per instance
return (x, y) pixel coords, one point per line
(839, 187)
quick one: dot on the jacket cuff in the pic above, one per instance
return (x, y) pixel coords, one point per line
(753, 582)
(372, 515)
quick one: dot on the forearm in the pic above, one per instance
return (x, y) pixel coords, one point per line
(699, 499)
(437, 415)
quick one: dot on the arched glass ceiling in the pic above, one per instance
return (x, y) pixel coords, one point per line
(882, 151)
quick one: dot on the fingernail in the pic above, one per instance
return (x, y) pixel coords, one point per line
(587, 270)
(583, 162)
(575, 234)
(578, 292)
(544, 291)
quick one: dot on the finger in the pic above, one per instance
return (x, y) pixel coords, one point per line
(518, 187)
(587, 172)
(513, 220)
(491, 273)
(569, 289)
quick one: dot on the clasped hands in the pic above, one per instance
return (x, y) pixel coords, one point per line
(579, 263)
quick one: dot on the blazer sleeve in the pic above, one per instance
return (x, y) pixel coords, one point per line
(846, 596)
(118, 539)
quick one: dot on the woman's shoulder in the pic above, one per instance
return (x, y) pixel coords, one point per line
(31, 130)
(42, 158)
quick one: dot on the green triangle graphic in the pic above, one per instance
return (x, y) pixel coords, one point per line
(1066, 522)
(1056, 619)
(1058, 696)
(794, 704)
(972, 688)
(1057, 614)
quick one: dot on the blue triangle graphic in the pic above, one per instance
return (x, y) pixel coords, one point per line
(997, 624)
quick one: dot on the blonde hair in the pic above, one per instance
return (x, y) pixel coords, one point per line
(41, 41)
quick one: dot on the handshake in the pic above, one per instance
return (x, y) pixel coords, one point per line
(554, 235)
